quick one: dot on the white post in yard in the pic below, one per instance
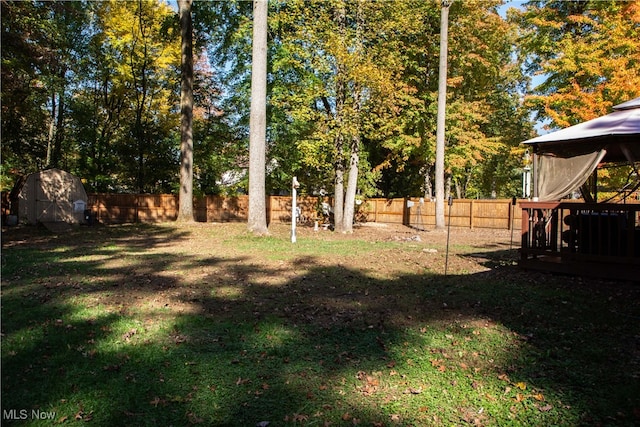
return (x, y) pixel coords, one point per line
(526, 175)
(294, 208)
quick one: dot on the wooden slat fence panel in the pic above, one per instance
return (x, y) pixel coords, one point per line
(390, 211)
(492, 214)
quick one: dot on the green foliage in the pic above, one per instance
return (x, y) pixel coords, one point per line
(111, 71)
(40, 44)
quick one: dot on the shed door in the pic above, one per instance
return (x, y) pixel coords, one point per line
(53, 198)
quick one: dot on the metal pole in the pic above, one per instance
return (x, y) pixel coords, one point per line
(446, 259)
(294, 208)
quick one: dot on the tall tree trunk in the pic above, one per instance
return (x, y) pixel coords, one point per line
(140, 137)
(52, 131)
(56, 159)
(442, 104)
(339, 166)
(141, 99)
(56, 129)
(352, 186)
(185, 212)
(257, 221)
(352, 183)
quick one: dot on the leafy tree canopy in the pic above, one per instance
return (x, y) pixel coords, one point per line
(94, 87)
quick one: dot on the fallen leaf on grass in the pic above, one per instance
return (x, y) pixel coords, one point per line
(521, 385)
(127, 335)
(545, 408)
(179, 339)
(503, 377)
(81, 416)
(373, 381)
(438, 364)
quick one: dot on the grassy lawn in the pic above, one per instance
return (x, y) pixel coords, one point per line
(158, 325)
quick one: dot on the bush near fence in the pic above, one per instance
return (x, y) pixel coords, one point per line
(121, 208)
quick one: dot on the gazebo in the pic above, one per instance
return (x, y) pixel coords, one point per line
(586, 237)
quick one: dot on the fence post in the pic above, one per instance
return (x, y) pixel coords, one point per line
(375, 210)
(511, 216)
(471, 215)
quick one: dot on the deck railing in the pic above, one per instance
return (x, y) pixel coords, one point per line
(581, 232)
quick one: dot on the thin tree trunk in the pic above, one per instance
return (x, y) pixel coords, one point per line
(442, 103)
(185, 212)
(338, 197)
(427, 186)
(257, 219)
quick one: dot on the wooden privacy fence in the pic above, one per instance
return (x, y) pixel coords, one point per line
(468, 213)
(119, 208)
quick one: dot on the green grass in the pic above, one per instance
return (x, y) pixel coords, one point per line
(278, 248)
(117, 326)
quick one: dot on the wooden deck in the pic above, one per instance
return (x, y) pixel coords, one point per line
(597, 240)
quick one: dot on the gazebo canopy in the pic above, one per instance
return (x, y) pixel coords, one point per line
(618, 133)
(566, 158)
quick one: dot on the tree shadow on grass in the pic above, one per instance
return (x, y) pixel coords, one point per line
(238, 342)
